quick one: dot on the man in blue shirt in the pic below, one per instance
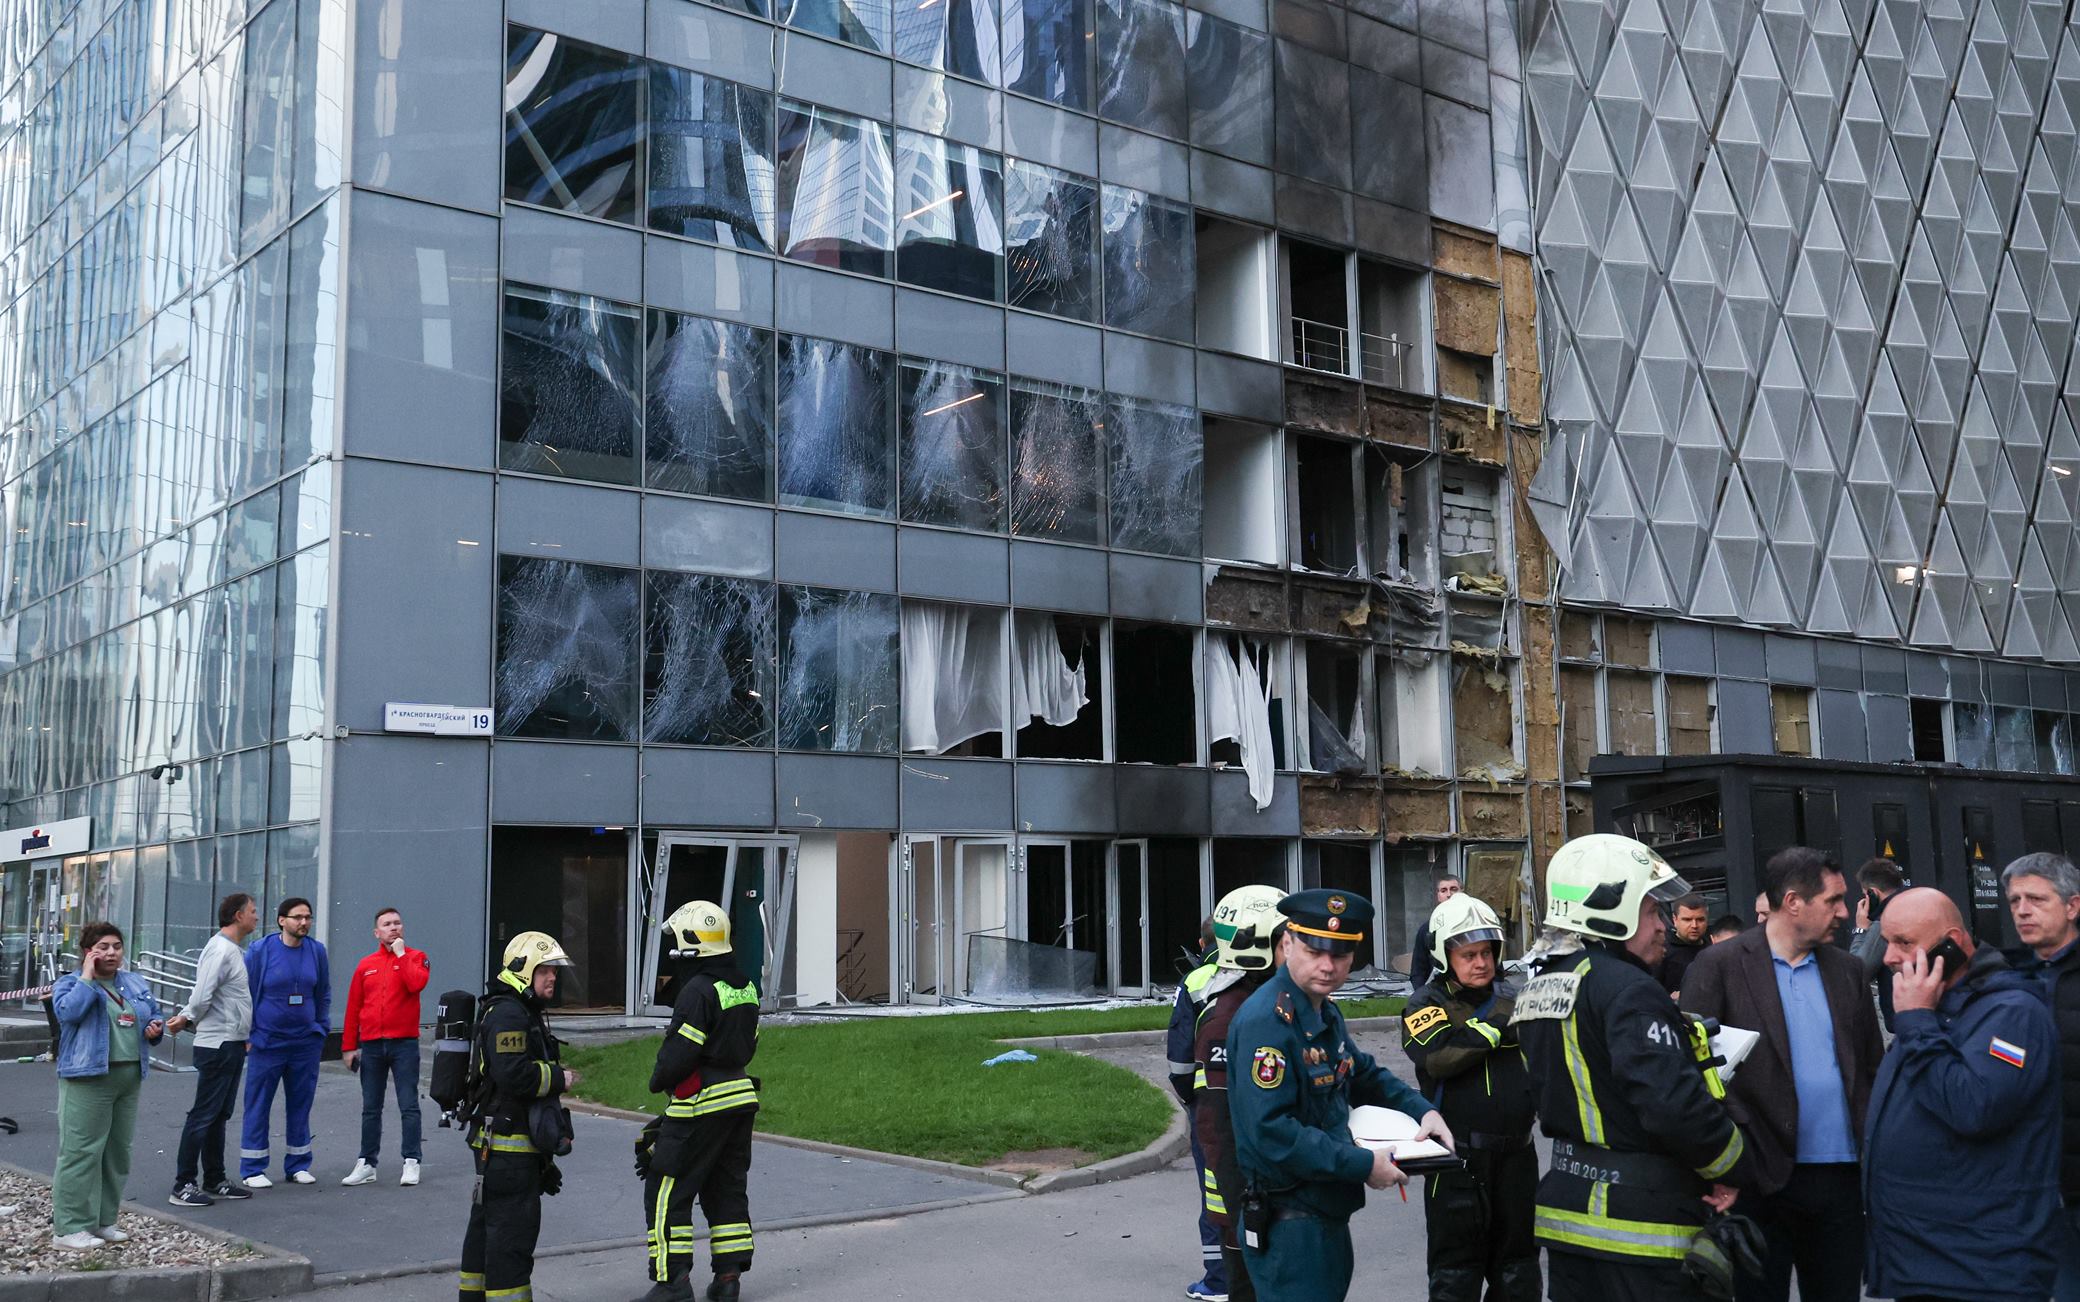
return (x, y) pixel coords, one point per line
(292, 1014)
(1802, 1094)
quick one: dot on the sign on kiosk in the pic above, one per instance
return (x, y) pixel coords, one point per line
(67, 836)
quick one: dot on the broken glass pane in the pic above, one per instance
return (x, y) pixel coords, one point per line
(1156, 460)
(837, 406)
(574, 130)
(1047, 50)
(1148, 264)
(567, 385)
(953, 446)
(567, 637)
(708, 424)
(1057, 491)
(836, 172)
(708, 671)
(950, 235)
(856, 22)
(711, 159)
(957, 36)
(1141, 65)
(839, 667)
(1051, 232)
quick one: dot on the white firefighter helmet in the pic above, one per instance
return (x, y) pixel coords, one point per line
(1594, 885)
(1462, 920)
(1242, 925)
(698, 929)
(526, 952)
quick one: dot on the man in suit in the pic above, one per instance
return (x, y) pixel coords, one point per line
(1802, 1094)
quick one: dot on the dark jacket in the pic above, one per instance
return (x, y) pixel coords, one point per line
(517, 1055)
(1681, 954)
(1960, 1168)
(1185, 1012)
(2061, 978)
(710, 1041)
(1421, 965)
(1737, 984)
(1467, 1059)
(1212, 1126)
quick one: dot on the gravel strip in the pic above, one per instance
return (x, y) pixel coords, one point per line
(25, 1238)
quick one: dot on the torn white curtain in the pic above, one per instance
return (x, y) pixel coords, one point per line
(1238, 705)
(1044, 685)
(953, 675)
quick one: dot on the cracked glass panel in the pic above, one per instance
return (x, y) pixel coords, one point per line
(837, 416)
(567, 639)
(957, 36)
(708, 408)
(568, 385)
(953, 446)
(708, 664)
(840, 664)
(1141, 65)
(1229, 68)
(836, 174)
(1156, 462)
(1057, 490)
(950, 231)
(1047, 50)
(1149, 265)
(1051, 233)
(711, 159)
(864, 23)
(574, 125)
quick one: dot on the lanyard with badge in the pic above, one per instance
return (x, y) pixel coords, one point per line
(125, 1017)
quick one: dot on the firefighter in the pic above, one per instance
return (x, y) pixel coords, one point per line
(1304, 1175)
(701, 1146)
(1643, 1148)
(1456, 1031)
(1245, 927)
(514, 1068)
(1185, 1013)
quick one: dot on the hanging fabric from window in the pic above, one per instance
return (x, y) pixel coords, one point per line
(953, 675)
(1044, 685)
(1238, 703)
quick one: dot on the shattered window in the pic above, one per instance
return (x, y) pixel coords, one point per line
(957, 36)
(1141, 65)
(1791, 719)
(1047, 50)
(1055, 680)
(567, 636)
(568, 385)
(837, 412)
(956, 695)
(711, 159)
(836, 172)
(1050, 241)
(953, 446)
(950, 231)
(1328, 504)
(1057, 490)
(1472, 556)
(1150, 276)
(1153, 690)
(1336, 709)
(1483, 720)
(2014, 739)
(1409, 687)
(1689, 715)
(1401, 515)
(1631, 701)
(864, 23)
(574, 129)
(839, 665)
(708, 424)
(1343, 866)
(708, 666)
(1974, 727)
(1156, 475)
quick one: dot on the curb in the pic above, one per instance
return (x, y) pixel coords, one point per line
(1175, 1143)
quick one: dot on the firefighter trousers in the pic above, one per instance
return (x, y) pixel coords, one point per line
(708, 1158)
(1578, 1277)
(505, 1219)
(1479, 1225)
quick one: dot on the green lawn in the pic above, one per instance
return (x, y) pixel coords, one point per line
(917, 1085)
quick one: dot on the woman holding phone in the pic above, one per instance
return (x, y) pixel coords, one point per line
(106, 1018)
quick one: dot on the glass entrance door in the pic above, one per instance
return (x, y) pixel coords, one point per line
(750, 877)
(946, 892)
(1126, 944)
(1065, 904)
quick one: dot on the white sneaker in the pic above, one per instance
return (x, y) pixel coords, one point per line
(82, 1241)
(256, 1182)
(362, 1173)
(110, 1234)
(411, 1172)
(305, 1177)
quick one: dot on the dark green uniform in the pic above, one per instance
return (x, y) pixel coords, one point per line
(1294, 1076)
(518, 1058)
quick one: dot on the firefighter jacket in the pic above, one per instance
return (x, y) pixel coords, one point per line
(1211, 1124)
(1185, 1012)
(1468, 1063)
(1638, 1135)
(1292, 1108)
(713, 1034)
(516, 1058)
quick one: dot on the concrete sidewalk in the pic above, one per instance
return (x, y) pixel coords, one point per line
(381, 1226)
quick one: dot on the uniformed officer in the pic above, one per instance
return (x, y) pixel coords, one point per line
(1245, 926)
(1291, 1110)
(516, 1066)
(1456, 1031)
(701, 1146)
(1643, 1148)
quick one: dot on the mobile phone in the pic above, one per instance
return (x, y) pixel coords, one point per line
(1953, 957)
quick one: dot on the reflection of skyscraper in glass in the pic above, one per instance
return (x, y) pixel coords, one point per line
(835, 178)
(1045, 44)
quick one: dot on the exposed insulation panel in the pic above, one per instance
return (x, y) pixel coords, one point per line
(1497, 815)
(1416, 812)
(1331, 808)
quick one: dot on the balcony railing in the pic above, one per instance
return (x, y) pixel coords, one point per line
(1383, 357)
(1319, 346)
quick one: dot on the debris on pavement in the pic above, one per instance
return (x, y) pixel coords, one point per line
(26, 1247)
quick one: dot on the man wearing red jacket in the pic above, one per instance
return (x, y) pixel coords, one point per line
(380, 1039)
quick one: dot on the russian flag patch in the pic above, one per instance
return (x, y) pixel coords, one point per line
(2012, 1054)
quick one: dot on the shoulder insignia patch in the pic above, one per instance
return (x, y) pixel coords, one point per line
(2012, 1054)
(1285, 1007)
(1269, 1069)
(1424, 1022)
(510, 1042)
(1548, 995)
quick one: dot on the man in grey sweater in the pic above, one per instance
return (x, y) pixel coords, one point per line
(220, 1009)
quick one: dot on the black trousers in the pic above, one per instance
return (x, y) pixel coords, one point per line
(505, 1219)
(202, 1134)
(1479, 1227)
(1574, 1277)
(708, 1158)
(1814, 1226)
(1239, 1287)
